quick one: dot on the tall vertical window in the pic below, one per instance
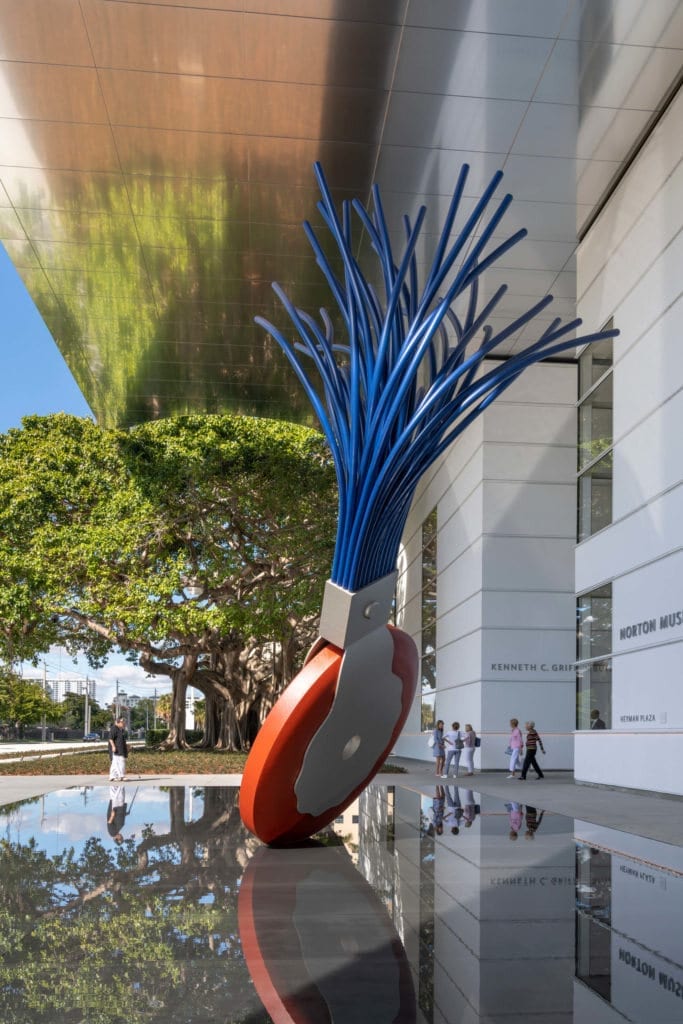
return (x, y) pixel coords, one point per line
(428, 651)
(593, 657)
(595, 438)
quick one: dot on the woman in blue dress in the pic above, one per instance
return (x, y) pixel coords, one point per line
(439, 748)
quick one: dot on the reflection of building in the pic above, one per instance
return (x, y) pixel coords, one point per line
(481, 919)
(560, 927)
(629, 951)
(348, 827)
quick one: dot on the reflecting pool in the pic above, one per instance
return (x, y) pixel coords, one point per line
(132, 904)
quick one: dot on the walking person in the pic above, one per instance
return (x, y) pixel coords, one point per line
(515, 747)
(533, 742)
(454, 743)
(438, 747)
(469, 743)
(118, 747)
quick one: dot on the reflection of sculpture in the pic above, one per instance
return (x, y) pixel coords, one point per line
(407, 381)
(318, 942)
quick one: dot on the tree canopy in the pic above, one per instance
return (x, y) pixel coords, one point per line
(22, 701)
(198, 546)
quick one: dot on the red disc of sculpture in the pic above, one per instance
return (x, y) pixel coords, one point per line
(268, 800)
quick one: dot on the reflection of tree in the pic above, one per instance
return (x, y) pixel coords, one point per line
(135, 933)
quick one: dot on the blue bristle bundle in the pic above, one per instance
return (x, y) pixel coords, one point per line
(383, 428)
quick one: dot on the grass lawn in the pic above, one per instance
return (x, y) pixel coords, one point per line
(140, 762)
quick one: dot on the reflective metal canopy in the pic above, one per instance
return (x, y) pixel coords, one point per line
(156, 162)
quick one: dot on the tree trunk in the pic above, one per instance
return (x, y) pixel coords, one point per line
(181, 677)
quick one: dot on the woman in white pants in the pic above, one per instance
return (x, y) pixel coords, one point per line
(516, 745)
(470, 740)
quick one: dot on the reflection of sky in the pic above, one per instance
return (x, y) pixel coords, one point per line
(67, 818)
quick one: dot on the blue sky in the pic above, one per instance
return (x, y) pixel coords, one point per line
(33, 375)
(34, 379)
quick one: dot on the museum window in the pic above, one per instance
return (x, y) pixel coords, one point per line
(428, 623)
(594, 656)
(594, 463)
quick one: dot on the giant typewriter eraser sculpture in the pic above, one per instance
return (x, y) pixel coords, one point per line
(405, 380)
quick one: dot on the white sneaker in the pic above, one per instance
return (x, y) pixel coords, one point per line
(444, 776)
(511, 776)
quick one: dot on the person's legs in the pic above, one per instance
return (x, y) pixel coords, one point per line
(449, 758)
(513, 761)
(527, 761)
(534, 762)
(117, 768)
(456, 761)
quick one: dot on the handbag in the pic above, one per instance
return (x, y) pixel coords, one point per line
(477, 742)
(430, 741)
(508, 751)
(459, 744)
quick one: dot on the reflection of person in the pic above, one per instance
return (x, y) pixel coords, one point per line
(533, 820)
(516, 745)
(470, 741)
(454, 812)
(596, 721)
(438, 809)
(516, 817)
(454, 745)
(119, 752)
(533, 741)
(439, 749)
(116, 812)
(469, 811)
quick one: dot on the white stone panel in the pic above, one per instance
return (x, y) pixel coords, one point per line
(464, 618)
(646, 690)
(656, 226)
(529, 654)
(647, 605)
(455, 498)
(525, 509)
(461, 578)
(652, 532)
(649, 461)
(635, 760)
(517, 610)
(552, 707)
(530, 424)
(459, 662)
(653, 165)
(538, 563)
(658, 288)
(650, 372)
(531, 463)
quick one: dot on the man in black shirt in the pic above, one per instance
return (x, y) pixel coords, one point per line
(119, 752)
